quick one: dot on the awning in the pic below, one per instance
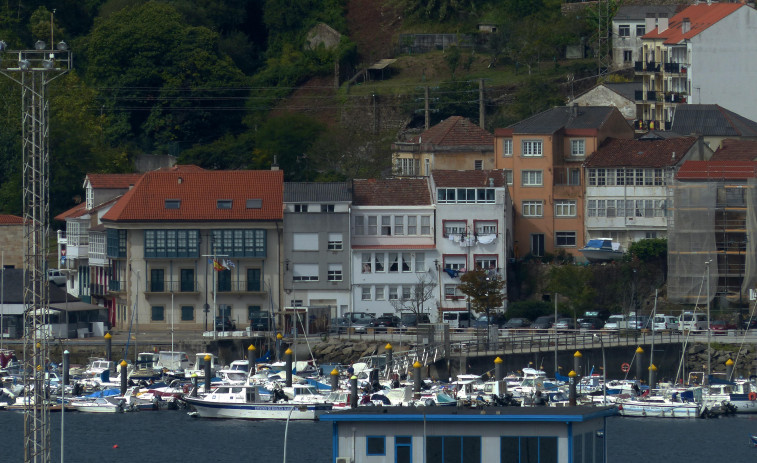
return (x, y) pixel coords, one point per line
(77, 306)
(381, 64)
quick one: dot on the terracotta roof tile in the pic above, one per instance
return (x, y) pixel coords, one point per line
(455, 131)
(717, 170)
(468, 178)
(76, 211)
(616, 152)
(700, 17)
(391, 192)
(198, 193)
(7, 219)
(736, 150)
(113, 181)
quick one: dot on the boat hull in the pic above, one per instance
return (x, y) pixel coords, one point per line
(257, 411)
(659, 411)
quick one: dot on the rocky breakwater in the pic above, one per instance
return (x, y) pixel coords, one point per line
(345, 352)
(744, 358)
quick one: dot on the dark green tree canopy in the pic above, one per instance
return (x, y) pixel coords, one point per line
(484, 289)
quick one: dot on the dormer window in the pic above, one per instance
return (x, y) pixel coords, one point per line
(173, 203)
(223, 204)
(90, 198)
(254, 203)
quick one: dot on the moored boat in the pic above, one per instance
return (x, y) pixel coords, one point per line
(602, 250)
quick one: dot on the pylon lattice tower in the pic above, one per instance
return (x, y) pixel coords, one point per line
(604, 24)
(34, 70)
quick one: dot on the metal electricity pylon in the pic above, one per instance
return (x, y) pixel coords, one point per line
(604, 24)
(34, 70)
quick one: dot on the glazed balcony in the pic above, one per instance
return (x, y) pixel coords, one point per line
(644, 67)
(674, 68)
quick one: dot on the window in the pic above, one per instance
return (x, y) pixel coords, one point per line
(172, 243)
(327, 208)
(403, 449)
(305, 241)
(537, 244)
(478, 164)
(458, 449)
(407, 166)
(90, 198)
(578, 147)
(223, 280)
(507, 147)
(565, 238)
(187, 277)
(379, 293)
(486, 262)
(335, 242)
(399, 225)
(240, 242)
(157, 280)
(574, 176)
(254, 203)
(531, 148)
(565, 208)
(454, 262)
(300, 208)
(420, 262)
(366, 262)
(173, 203)
(485, 227)
(465, 195)
(116, 243)
(406, 293)
(335, 272)
(528, 449)
(386, 225)
(531, 178)
(624, 30)
(454, 227)
(394, 293)
(379, 261)
(158, 313)
(405, 257)
(187, 313)
(372, 225)
(453, 293)
(394, 263)
(509, 176)
(425, 225)
(224, 203)
(359, 225)
(253, 279)
(627, 56)
(412, 225)
(532, 209)
(305, 272)
(375, 445)
(365, 293)
(641, 29)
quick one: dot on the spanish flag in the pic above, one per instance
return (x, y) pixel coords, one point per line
(218, 266)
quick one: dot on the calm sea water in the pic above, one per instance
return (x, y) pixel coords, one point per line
(173, 436)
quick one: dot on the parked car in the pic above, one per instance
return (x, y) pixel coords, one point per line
(665, 322)
(564, 324)
(692, 321)
(544, 322)
(361, 324)
(749, 324)
(56, 277)
(721, 326)
(591, 324)
(602, 314)
(517, 323)
(340, 325)
(225, 324)
(409, 320)
(615, 321)
(638, 322)
(457, 319)
(385, 321)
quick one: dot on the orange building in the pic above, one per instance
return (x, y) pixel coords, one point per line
(543, 158)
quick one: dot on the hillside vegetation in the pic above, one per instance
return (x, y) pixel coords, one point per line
(230, 84)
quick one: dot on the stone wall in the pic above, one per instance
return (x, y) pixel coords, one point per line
(12, 244)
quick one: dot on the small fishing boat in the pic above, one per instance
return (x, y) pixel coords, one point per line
(243, 402)
(753, 440)
(98, 405)
(602, 250)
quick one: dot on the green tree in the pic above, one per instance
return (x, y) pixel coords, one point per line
(484, 290)
(653, 249)
(573, 282)
(287, 139)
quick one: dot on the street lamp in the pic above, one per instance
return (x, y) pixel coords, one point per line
(604, 370)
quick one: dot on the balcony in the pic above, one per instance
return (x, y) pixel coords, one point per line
(117, 286)
(652, 96)
(641, 124)
(171, 286)
(675, 97)
(642, 67)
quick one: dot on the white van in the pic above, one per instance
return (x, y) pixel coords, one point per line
(692, 321)
(457, 319)
(665, 323)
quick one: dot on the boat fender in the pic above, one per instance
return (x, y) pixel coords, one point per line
(753, 395)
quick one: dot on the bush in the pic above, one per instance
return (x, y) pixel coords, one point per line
(529, 309)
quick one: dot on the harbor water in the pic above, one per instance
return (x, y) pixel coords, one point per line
(174, 436)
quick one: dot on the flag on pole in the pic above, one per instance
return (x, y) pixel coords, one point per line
(218, 266)
(228, 264)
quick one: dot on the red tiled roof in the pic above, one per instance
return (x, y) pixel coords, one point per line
(468, 178)
(700, 17)
(717, 170)
(618, 152)
(198, 193)
(7, 219)
(736, 150)
(113, 181)
(455, 131)
(76, 211)
(391, 192)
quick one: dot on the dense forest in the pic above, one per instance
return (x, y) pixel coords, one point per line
(201, 79)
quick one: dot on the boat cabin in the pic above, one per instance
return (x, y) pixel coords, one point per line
(173, 361)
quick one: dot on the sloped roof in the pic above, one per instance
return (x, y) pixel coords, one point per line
(113, 181)
(308, 192)
(700, 17)
(640, 12)
(198, 193)
(711, 120)
(564, 117)
(13, 286)
(640, 153)
(736, 150)
(391, 192)
(76, 211)
(625, 89)
(7, 219)
(468, 178)
(455, 131)
(717, 170)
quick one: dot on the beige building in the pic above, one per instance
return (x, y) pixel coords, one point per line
(12, 241)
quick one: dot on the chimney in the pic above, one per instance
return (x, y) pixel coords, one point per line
(649, 24)
(275, 165)
(662, 25)
(686, 25)
(574, 110)
(491, 182)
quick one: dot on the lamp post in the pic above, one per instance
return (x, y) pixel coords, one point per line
(604, 370)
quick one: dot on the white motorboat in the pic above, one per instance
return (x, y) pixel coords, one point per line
(602, 250)
(242, 402)
(98, 405)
